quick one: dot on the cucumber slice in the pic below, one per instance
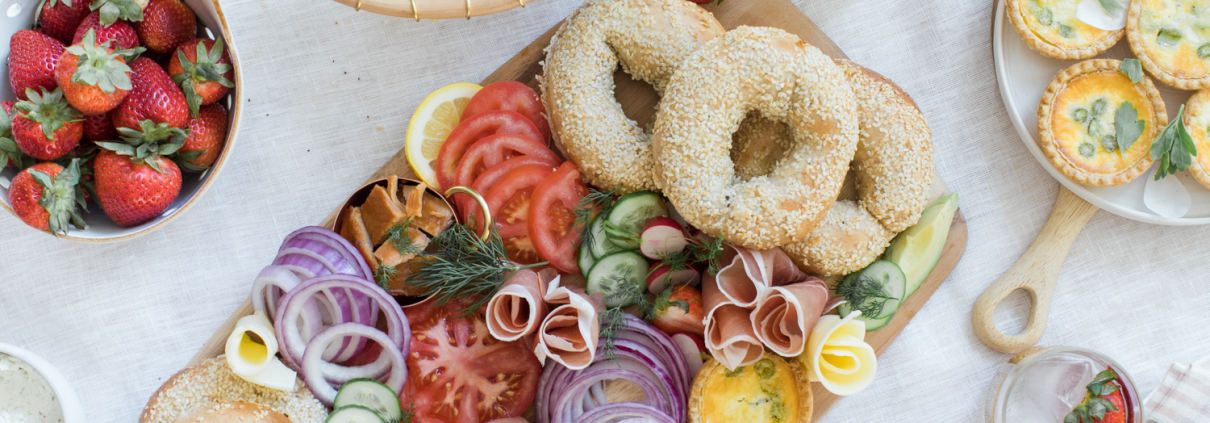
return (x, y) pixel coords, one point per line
(917, 249)
(617, 275)
(354, 414)
(864, 291)
(586, 260)
(600, 245)
(371, 395)
(630, 213)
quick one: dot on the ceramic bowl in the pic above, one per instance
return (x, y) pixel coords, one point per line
(19, 14)
(66, 395)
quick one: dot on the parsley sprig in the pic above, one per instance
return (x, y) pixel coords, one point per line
(1174, 147)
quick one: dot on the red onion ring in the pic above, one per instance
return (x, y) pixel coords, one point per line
(337, 243)
(628, 411)
(315, 374)
(290, 339)
(645, 356)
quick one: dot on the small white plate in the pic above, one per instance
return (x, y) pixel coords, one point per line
(1023, 75)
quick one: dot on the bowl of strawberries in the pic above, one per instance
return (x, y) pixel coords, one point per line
(118, 113)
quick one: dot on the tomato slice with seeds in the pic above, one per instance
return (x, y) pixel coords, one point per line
(473, 129)
(483, 183)
(513, 96)
(509, 201)
(459, 373)
(490, 151)
(552, 219)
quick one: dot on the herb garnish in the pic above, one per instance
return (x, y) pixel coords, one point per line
(384, 274)
(613, 322)
(592, 204)
(864, 293)
(1093, 406)
(401, 238)
(1132, 67)
(697, 252)
(465, 266)
(1127, 126)
(1174, 147)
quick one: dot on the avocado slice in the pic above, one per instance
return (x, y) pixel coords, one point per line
(917, 249)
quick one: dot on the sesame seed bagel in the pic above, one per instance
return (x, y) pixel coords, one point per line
(649, 38)
(783, 78)
(894, 171)
(194, 390)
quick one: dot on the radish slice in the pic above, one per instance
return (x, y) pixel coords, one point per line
(689, 347)
(316, 372)
(662, 236)
(662, 276)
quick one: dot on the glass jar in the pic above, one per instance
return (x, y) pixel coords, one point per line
(1044, 385)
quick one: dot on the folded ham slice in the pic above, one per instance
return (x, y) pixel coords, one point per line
(519, 308)
(785, 315)
(729, 335)
(749, 273)
(570, 332)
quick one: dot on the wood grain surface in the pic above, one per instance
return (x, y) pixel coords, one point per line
(638, 101)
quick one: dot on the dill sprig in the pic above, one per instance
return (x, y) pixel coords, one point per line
(697, 252)
(465, 266)
(408, 414)
(613, 323)
(384, 274)
(591, 205)
(864, 293)
(401, 238)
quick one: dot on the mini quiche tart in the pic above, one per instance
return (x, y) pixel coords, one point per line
(1076, 123)
(1050, 27)
(1197, 123)
(771, 390)
(1172, 39)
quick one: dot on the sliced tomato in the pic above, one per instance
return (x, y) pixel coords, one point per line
(512, 96)
(509, 200)
(474, 129)
(485, 180)
(459, 373)
(552, 218)
(497, 148)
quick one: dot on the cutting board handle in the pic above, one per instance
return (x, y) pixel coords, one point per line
(1035, 272)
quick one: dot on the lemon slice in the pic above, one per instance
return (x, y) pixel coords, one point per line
(432, 122)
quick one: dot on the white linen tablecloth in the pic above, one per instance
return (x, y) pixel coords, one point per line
(329, 95)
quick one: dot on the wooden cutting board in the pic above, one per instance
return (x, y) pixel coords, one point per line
(638, 101)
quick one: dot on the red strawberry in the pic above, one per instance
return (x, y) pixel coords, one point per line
(94, 78)
(135, 184)
(207, 134)
(45, 196)
(166, 24)
(678, 310)
(99, 128)
(203, 69)
(32, 58)
(45, 126)
(1102, 403)
(59, 18)
(120, 31)
(112, 10)
(10, 152)
(153, 96)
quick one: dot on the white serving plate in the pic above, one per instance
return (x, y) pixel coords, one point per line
(16, 15)
(1023, 75)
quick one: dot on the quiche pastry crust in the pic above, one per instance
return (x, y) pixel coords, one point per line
(1017, 9)
(1154, 113)
(698, 397)
(1197, 122)
(1144, 45)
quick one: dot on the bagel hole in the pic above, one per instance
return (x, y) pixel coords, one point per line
(639, 101)
(759, 145)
